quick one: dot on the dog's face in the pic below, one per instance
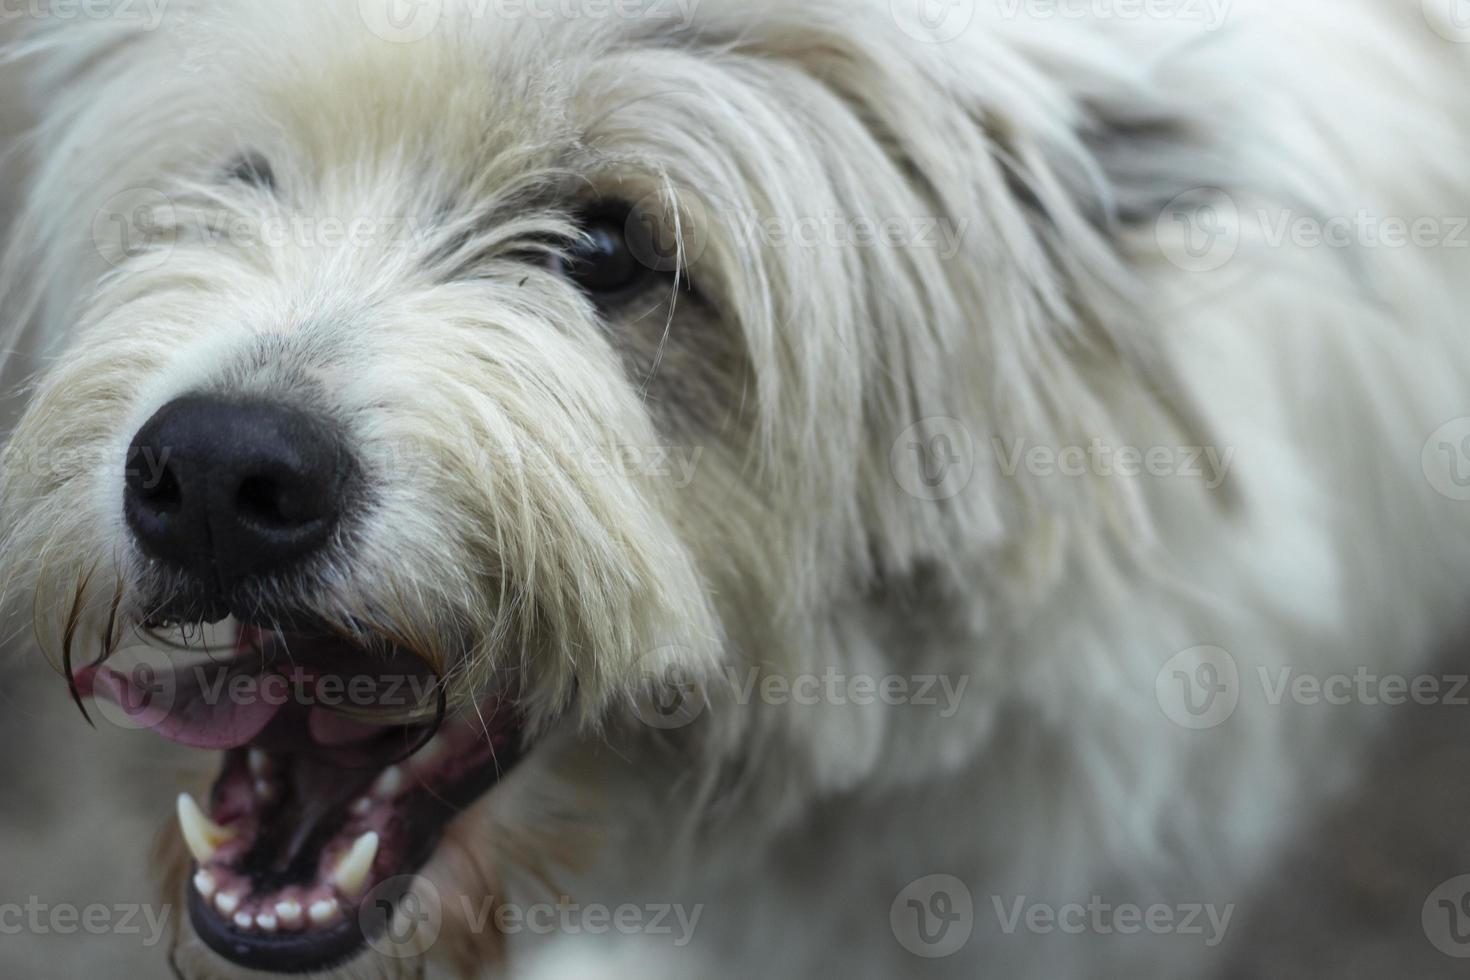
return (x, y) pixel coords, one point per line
(485, 371)
(379, 373)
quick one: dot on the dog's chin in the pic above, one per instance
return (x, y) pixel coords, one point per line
(341, 769)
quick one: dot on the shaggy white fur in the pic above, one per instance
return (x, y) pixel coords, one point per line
(911, 449)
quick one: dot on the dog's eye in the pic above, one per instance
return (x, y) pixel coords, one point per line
(252, 170)
(601, 263)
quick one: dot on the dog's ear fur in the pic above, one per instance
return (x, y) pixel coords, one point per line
(1055, 170)
(1032, 330)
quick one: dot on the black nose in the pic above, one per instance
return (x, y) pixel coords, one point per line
(229, 488)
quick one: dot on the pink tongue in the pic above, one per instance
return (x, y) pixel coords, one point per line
(181, 708)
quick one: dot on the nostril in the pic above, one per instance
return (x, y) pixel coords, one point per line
(271, 503)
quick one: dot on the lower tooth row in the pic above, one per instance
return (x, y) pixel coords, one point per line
(264, 921)
(288, 911)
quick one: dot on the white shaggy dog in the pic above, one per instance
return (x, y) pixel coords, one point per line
(974, 413)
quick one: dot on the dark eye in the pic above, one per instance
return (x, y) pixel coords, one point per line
(601, 263)
(253, 170)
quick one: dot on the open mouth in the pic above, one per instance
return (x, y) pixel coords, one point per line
(340, 771)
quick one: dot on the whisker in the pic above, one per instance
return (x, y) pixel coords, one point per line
(73, 621)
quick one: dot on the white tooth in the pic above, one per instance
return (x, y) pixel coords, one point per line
(260, 763)
(264, 790)
(352, 871)
(244, 920)
(323, 911)
(289, 911)
(361, 806)
(227, 902)
(389, 783)
(205, 884)
(203, 835)
(266, 921)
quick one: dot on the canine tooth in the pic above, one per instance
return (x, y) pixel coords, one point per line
(260, 763)
(203, 835)
(361, 806)
(352, 871)
(265, 790)
(227, 902)
(289, 911)
(244, 920)
(389, 783)
(266, 921)
(205, 884)
(322, 911)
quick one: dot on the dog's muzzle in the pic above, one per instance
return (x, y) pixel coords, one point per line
(343, 760)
